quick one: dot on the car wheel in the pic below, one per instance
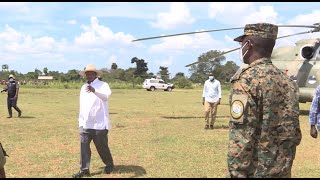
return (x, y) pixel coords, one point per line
(169, 89)
(152, 88)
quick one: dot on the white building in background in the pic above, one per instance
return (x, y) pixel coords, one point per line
(44, 79)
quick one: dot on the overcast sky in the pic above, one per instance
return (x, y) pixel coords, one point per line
(69, 35)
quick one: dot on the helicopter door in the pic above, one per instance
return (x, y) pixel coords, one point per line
(303, 73)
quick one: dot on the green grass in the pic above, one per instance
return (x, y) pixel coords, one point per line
(154, 134)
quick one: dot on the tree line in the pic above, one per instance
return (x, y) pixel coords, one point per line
(199, 72)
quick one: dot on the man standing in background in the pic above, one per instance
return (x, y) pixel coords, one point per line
(13, 92)
(211, 97)
(314, 114)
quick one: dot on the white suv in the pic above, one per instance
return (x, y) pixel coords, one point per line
(153, 84)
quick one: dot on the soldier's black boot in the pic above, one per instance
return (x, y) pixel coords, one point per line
(108, 169)
(80, 174)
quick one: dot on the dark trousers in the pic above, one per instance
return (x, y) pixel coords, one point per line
(100, 139)
(2, 173)
(11, 102)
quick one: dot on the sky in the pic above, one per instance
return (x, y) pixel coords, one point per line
(69, 35)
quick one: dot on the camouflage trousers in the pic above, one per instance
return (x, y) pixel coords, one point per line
(264, 165)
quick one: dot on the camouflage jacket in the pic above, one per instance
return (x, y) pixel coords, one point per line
(264, 127)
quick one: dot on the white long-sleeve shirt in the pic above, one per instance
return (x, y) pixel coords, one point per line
(94, 112)
(211, 91)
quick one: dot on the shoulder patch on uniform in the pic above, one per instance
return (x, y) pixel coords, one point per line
(237, 109)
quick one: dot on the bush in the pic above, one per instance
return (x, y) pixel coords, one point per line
(182, 82)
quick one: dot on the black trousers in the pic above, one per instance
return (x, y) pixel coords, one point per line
(11, 102)
(100, 139)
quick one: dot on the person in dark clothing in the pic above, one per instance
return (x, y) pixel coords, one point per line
(13, 91)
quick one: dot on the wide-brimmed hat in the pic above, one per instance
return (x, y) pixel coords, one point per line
(90, 67)
(11, 76)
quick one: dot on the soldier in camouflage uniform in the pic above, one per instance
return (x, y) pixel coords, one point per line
(264, 127)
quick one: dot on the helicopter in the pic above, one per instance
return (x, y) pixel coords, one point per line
(300, 62)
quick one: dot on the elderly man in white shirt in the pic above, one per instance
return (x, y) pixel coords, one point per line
(211, 97)
(94, 121)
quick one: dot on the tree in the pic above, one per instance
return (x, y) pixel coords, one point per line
(129, 74)
(31, 76)
(183, 82)
(72, 75)
(150, 75)
(45, 71)
(141, 67)
(55, 74)
(5, 67)
(179, 74)
(118, 74)
(225, 72)
(114, 66)
(38, 72)
(208, 62)
(164, 73)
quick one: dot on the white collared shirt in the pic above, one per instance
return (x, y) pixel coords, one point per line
(94, 112)
(212, 91)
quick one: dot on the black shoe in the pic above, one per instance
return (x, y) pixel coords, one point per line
(19, 115)
(81, 174)
(9, 117)
(206, 127)
(108, 169)
(211, 126)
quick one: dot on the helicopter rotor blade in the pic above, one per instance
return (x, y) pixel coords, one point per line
(213, 57)
(305, 26)
(316, 26)
(155, 37)
(306, 32)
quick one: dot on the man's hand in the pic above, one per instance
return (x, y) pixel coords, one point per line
(203, 101)
(313, 131)
(90, 89)
(219, 100)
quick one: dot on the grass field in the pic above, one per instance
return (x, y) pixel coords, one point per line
(154, 134)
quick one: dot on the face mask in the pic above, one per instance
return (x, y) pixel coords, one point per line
(240, 51)
(11, 80)
(211, 78)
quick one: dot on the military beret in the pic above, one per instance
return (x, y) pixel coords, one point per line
(263, 30)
